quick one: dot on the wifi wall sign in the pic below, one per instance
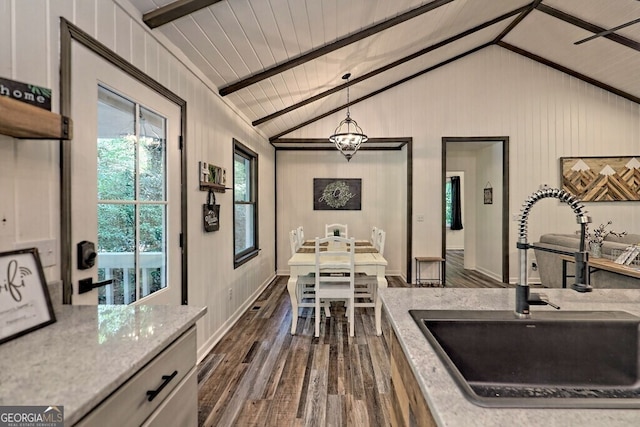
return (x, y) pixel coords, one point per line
(25, 304)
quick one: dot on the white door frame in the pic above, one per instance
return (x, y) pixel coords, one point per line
(68, 34)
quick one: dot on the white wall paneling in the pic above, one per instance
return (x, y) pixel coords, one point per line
(489, 216)
(384, 201)
(545, 113)
(29, 184)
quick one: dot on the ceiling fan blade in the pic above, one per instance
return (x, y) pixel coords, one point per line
(604, 33)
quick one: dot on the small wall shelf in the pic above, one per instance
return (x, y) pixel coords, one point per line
(22, 120)
(212, 177)
(218, 188)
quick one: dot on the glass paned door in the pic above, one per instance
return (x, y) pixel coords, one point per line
(126, 182)
(132, 199)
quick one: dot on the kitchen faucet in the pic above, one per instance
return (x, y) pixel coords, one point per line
(523, 298)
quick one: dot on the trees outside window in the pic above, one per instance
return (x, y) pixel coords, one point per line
(245, 196)
(132, 200)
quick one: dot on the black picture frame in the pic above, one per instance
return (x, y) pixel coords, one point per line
(337, 194)
(25, 303)
(488, 196)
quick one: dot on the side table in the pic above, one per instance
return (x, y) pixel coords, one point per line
(430, 280)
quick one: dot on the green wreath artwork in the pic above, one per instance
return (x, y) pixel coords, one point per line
(337, 194)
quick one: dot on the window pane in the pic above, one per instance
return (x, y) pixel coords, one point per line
(153, 252)
(132, 166)
(242, 179)
(116, 253)
(116, 147)
(152, 156)
(244, 228)
(245, 181)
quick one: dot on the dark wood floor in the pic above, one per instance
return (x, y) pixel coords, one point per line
(261, 375)
(458, 277)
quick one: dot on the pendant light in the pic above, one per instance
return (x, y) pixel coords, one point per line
(348, 135)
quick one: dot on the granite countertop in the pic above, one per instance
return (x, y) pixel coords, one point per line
(87, 354)
(447, 403)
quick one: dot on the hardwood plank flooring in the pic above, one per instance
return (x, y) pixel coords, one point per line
(456, 276)
(260, 375)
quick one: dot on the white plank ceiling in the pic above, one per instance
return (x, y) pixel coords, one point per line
(237, 41)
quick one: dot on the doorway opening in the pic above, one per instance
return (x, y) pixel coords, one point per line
(478, 241)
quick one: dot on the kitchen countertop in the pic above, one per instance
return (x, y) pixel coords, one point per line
(87, 354)
(447, 403)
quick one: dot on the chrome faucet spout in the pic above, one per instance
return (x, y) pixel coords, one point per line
(523, 298)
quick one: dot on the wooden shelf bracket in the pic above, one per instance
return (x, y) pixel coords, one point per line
(21, 120)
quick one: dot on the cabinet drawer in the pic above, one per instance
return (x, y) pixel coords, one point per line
(129, 405)
(180, 408)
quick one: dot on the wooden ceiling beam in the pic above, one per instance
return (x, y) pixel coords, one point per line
(569, 71)
(376, 92)
(172, 11)
(328, 48)
(588, 26)
(388, 66)
(518, 20)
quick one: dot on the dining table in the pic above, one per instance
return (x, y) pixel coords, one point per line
(367, 261)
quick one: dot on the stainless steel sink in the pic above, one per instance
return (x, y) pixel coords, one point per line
(585, 359)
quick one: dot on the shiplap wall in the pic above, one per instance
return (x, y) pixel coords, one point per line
(29, 170)
(489, 217)
(547, 114)
(384, 200)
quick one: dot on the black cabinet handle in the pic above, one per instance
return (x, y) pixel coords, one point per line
(166, 379)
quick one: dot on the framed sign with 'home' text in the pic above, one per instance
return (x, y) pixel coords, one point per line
(27, 93)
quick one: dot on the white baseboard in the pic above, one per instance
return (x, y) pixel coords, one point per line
(531, 280)
(206, 348)
(489, 273)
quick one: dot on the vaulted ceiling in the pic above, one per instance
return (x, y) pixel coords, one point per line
(281, 62)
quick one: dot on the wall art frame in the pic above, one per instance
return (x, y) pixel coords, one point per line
(488, 194)
(334, 194)
(601, 179)
(25, 304)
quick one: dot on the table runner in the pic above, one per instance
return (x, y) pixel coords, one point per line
(359, 250)
(358, 243)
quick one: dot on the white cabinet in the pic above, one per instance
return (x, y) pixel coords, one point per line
(164, 392)
(180, 408)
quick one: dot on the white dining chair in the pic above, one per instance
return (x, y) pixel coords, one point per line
(306, 284)
(367, 286)
(293, 241)
(335, 275)
(374, 233)
(300, 231)
(343, 229)
(381, 237)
